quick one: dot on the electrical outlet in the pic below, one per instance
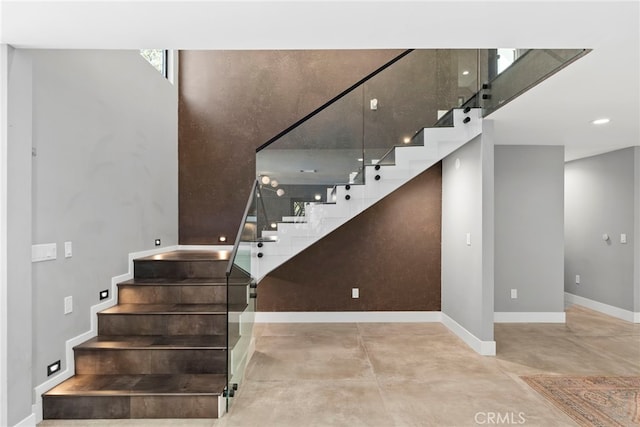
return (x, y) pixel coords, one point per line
(104, 294)
(355, 292)
(514, 293)
(68, 305)
(53, 368)
(577, 279)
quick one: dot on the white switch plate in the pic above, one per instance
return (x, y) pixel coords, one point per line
(68, 250)
(44, 252)
(68, 305)
(355, 292)
(577, 279)
(468, 239)
(514, 293)
(623, 238)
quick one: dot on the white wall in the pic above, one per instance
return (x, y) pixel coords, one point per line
(601, 196)
(104, 126)
(467, 207)
(529, 227)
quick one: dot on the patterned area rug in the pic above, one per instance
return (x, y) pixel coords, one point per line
(592, 401)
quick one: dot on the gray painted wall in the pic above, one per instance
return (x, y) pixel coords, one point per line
(467, 207)
(19, 291)
(636, 234)
(529, 228)
(104, 178)
(600, 197)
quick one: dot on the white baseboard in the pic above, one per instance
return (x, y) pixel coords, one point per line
(610, 310)
(529, 317)
(71, 343)
(346, 316)
(30, 421)
(484, 348)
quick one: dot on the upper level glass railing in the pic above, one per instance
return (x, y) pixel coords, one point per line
(360, 126)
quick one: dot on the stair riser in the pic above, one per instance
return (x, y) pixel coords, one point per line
(162, 324)
(168, 294)
(145, 361)
(155, 269)
(112, 407)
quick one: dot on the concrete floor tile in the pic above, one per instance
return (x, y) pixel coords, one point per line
(309, 403)
(296, 329)
(309, 358)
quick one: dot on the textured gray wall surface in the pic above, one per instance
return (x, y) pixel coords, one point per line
(105, 177)
(600, 194)
(529, 227)
(19, 289)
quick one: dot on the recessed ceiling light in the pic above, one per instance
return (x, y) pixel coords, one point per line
(360, 159)
(406, 140)
(465, 73)
(601, 121)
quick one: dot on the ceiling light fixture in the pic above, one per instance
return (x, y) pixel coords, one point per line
(407, 139)
(317, 197)
(465, 73)
(280, 192)
(265, 179)
(602, 121)
(274, 183)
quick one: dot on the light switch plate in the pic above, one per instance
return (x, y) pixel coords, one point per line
(355, 292)
(623, 238)
(468, 239)
(44, 252)
(514, 293)
(68, 305)
(68, 250)
(577, 279)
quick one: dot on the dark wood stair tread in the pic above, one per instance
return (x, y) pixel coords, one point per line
(170, 309)
(155, 342)
(134, 385)
(189, 256)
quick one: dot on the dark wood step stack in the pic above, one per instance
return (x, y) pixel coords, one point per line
(161, 352)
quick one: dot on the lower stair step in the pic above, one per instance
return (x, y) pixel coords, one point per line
(104, 355)
(163, 319)
(135, 396)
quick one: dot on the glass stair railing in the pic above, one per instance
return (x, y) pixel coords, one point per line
(362, 145)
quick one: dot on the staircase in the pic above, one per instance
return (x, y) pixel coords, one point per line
(161, 352)
(397, 167)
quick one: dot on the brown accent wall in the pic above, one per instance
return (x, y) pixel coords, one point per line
(391, 252)
(231, 102)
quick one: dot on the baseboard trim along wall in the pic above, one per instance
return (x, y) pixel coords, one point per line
(69, 359)
(484, 348)
(347, 316)
(610, 310)
(529, 317)
(30, 421)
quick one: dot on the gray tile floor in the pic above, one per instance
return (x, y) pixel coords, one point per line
(381, 374)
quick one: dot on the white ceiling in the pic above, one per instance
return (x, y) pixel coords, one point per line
(604, 83)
